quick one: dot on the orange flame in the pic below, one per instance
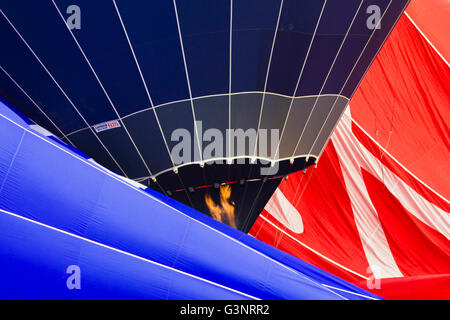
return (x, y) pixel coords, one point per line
(225, 211)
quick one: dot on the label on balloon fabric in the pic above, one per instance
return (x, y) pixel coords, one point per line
(107, 125)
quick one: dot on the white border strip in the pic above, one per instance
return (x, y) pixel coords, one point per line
(426, 39)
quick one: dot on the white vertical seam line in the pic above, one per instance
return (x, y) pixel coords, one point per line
(329, 72)
(144, 82)
(187, 78)
(267, 76)
(309, 116)
(101, 85)
(299, 77)
(229, 83)
(357, 61)
(348, 101)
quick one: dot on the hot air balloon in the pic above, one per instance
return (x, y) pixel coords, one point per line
(120, 81)
(387, 164)
(72, 229)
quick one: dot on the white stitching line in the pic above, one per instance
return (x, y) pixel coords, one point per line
(379, 49)
(145, 85)
(367, 69)
(298, 82)
(329, 72)
(426, 38)
(211, 96)
(187, 78)
(398, 162)
(61, 89)
(267, 75)
(229, 76)
(125, 253)
(365, 72)
(354, 65)
(36, 105)
(117, 178)
(101, 85)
